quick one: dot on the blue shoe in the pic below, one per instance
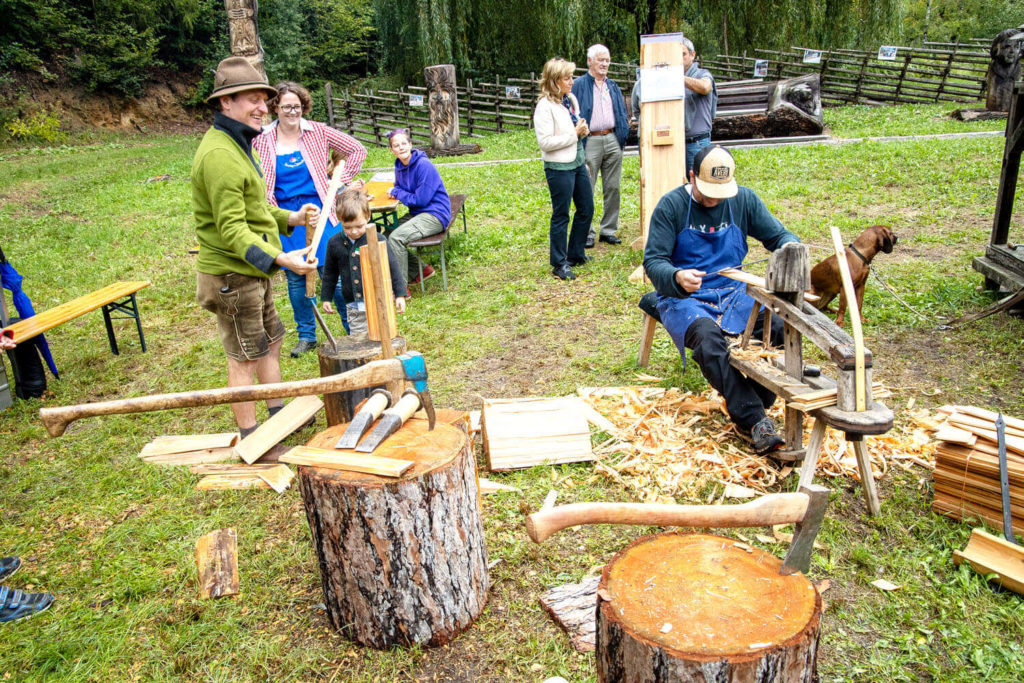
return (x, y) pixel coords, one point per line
(8, 565)
(15, 604)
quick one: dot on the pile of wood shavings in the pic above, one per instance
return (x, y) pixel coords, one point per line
(672, 444)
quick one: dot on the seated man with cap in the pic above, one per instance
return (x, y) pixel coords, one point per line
(697, 230)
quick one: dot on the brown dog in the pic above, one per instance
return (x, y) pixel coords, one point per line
(826, 281)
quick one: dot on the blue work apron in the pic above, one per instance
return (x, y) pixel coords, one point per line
(719, 298)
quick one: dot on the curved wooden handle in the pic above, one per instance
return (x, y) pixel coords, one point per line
(774, 508)
(373, 373)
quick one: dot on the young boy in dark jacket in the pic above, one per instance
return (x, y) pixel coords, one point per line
(342, 260)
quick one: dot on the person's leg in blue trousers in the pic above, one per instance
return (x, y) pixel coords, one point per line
(560, 185)
(583, 200)
(302, 308)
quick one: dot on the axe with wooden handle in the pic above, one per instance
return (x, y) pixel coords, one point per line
(407, 367)
(805, 508)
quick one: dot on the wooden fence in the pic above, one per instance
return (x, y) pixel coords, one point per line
(504, 105)
(953, 73)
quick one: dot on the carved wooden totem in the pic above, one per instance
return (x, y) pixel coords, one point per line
(245, 37)
(444, 106)
(1004, 69)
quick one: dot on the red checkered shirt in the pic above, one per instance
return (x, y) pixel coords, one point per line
(315, 141)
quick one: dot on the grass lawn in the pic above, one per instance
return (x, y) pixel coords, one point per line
(113, 537)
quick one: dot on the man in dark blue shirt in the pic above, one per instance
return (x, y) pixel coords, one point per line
(696, 231)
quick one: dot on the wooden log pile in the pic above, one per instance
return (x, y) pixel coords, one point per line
(967, 466)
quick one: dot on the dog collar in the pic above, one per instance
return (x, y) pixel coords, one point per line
(860, 255)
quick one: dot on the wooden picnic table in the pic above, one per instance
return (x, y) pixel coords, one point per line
(385, 206)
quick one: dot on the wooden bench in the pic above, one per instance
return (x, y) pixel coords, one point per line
(458, 202)
(115, 298)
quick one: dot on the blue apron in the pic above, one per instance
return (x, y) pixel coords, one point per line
(293, 188)
(719, 298)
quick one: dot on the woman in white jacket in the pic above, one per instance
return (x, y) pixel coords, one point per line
(560, 132)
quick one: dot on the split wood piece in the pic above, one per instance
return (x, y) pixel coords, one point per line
(488, 487)
(521, 433)
(217, 563)
(164, 445)
(990, 416)
(955, 507)
(573, 607)
(878, 390)
(377, 290)
(332, 191)
(278, 478)
(351, 352)
(757, 281)
(1014, 444)
(401, 562)
(474, 422)
(278, 428)
(216, 468)
(996, 558)
(226, 482)
(951, 434)
(311, 275)
(347, 460)
(970, 420)
(696, 607)
(209, 455)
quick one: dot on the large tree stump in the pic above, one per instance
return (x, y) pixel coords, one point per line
(694, 607)
(352, 351)
(402, 561)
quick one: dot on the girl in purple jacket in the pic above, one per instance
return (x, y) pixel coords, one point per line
(418, 185)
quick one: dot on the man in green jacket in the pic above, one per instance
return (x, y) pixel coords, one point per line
(239, 234)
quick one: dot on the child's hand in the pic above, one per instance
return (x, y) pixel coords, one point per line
(356, 184)
(400, 304)
(328, 308)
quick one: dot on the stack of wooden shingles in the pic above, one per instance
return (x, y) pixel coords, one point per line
(208, 455)
(967, 466)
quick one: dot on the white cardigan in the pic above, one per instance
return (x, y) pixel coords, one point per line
(556, 133)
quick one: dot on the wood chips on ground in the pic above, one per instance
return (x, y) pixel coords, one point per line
(671, 444)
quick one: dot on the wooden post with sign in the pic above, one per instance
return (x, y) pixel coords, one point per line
(662, 131)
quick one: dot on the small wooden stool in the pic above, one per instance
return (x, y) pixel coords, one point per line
(402, 561)
(696, 607)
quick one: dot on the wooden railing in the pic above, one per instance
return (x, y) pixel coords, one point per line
(917, 75)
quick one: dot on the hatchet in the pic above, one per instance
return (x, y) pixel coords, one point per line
(805, 508)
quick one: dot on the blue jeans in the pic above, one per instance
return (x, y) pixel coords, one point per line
(692, 148)
(565, 187)
(302, 308)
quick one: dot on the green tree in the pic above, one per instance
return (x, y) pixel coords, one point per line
(952, 20)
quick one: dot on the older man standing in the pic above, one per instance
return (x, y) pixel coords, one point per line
(604, 108)
(701, 104)
(239, 233)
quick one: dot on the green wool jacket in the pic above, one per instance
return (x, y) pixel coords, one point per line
(238, 230)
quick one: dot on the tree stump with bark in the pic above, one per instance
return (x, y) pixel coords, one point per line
(695, 607)
(402, 561)
(352, 352)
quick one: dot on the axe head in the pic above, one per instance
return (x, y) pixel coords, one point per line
(798, 559)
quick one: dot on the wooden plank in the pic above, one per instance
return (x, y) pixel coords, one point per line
(163, 445)
(217, 563)
(520, 433)
(208, 455)
(230, 468)
(988, 554)
(223, 482)
(278, 428)
(278, 478)
(346, 460)
(757, 281)
(990, 416)
(41, 322)
(378, 293)
(955, 435)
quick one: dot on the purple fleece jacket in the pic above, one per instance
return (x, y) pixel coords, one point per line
(419, 186)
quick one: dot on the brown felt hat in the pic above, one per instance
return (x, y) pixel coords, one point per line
(236, 74)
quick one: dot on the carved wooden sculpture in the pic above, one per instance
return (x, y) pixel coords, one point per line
(443, 102)
(1004, 69)
(245, 37)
